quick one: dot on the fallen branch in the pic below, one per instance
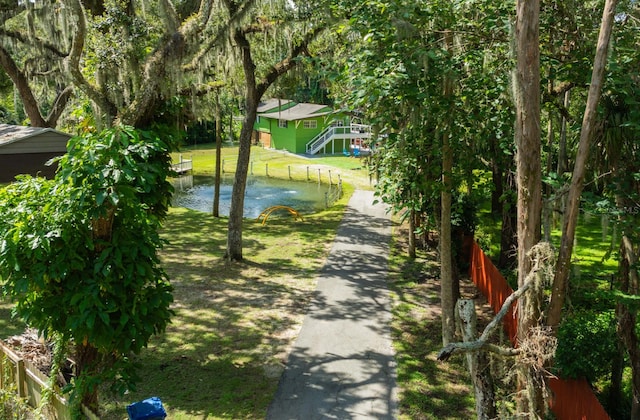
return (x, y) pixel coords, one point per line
(541, 255)
(481, 343)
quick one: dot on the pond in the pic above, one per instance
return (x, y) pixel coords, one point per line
(196, 193)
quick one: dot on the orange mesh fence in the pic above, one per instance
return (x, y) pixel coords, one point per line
(493, 286)
(572, 399)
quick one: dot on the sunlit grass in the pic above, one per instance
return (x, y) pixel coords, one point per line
(8, 324)
(279, 164)
(428, 389)
(223, 353)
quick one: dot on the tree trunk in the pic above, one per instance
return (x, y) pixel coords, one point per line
(254, 93)
(412, 234)
(252, 98)
(447, 301)
(216, 185)
(627, 320)
(446, 269)
(562, 146)
(498, 189)
(87, 357)
(529, 179)
(24, 90)
(477, 362)
(560, 281)
(617, 370)
(509, 229)
(236, 211)
(546, 207)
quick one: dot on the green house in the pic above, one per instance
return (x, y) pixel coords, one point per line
(306, 128)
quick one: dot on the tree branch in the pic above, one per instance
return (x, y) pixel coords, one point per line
(481, 342)
(236, 13)
(72, 62)
(169, 16)
(59, 105)
(289, 62)
(33, 41)
(24, 89)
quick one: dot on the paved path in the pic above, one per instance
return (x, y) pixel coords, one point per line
(342, 364)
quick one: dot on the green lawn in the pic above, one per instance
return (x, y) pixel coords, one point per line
(429, 389)
(223, 353)
(280, 164)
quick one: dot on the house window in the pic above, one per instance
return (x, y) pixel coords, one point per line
(310, 124)
(282, 123)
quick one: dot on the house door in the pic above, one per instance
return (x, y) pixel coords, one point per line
(265, 139)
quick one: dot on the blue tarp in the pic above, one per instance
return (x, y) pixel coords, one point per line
(149, 409)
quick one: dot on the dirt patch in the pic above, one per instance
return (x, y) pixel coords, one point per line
(29, 346)
(33, 348)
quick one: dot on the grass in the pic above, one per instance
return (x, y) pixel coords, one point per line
(429, 389)
(280, 164)
(223, 353)
(8, 325)
(222, 356)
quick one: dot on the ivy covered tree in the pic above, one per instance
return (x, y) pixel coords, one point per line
(79, 254)
(125, 62)
(433, 96)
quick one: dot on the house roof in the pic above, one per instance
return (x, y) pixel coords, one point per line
(271, 104)
(13, 133)
(299, 112)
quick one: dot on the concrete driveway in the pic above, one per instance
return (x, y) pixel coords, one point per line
(342, 365)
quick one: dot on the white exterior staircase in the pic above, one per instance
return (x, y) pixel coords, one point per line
(352, 131)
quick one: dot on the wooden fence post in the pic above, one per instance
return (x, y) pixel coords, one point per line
(477, 362)
(20, 378)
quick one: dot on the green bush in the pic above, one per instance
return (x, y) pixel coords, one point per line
(586, 345)
(79, 254)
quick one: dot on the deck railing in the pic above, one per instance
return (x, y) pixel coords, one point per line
(182, 166)
(351, 131)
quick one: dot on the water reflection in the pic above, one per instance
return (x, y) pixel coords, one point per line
(196, 193)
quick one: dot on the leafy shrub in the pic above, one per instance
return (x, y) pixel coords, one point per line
(586, 345)
(79, 254)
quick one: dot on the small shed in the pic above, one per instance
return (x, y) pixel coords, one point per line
(25, 150)
(308, 129)
(287, 125)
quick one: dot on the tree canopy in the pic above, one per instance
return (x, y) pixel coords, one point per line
(79, 254)
(457, 92)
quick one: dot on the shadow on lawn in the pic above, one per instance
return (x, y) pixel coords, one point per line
(221, 357)
(9, 326)
(431, 389)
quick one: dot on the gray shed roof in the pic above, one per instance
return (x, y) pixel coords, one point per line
(13, 133)
(299, 112)
(20, 140)
(270, 104)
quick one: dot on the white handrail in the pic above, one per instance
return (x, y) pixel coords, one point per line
(333, 132)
